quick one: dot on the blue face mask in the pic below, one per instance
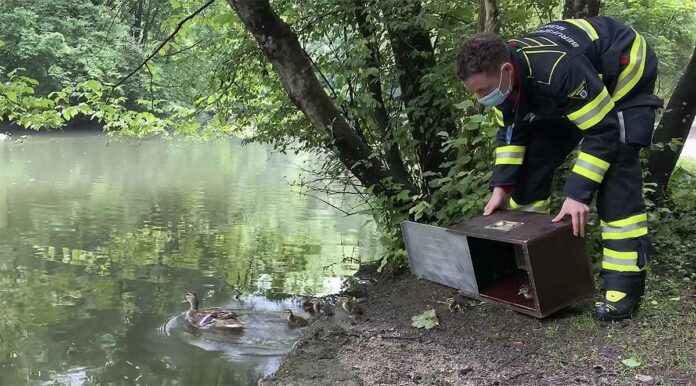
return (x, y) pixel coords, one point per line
(496, 96)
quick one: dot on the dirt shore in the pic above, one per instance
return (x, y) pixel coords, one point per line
(485, 344)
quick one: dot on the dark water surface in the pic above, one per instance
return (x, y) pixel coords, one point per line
(98, 244)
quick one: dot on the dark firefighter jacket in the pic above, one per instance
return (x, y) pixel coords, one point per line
(586, 70)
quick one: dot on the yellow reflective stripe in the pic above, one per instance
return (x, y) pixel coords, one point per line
(627, 228)
(510, 149)
(509, 155)
(625, 235)
(508, 161)
(535, 41)
(600, 163)
(591, 167)
(593, 112)
(577, 169)
(541, 206)
(620, 261)
(620, 255)
(618, 267)
(585, 26)
(627, 221)
(519, 41)
(634, 70)
(498, 117)
(630, 227)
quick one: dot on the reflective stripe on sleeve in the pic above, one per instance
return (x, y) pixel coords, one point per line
(542, 206)
(585, 26)
(632, 73)
(593, 112)
(590, 167)
(509, 155)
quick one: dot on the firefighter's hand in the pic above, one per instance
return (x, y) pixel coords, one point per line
(496, 201)
(578, 211)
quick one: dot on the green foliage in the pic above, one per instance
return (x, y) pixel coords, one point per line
(64, 42)
(428, 319)
(212, 80)
(674, 226)
(669, 26)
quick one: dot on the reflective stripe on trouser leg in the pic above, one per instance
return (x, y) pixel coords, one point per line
(614, 260)
(627, 228)
(541, 206)
(621, 244)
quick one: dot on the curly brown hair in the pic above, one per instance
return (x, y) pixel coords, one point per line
(482, 53)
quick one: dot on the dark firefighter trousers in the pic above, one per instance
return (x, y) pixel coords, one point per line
(620, 205)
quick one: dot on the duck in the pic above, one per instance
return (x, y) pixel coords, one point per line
(350, 306)
(324, 308)
(294, 320)
(526, 291)
(312, 306)
(458, 302)
(210, 318)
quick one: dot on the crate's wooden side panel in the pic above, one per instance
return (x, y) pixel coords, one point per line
(560, 269)
(440, 256)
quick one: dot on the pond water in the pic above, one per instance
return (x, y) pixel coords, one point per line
(100, 238)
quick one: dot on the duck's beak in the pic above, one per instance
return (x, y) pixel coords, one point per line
(185, 301)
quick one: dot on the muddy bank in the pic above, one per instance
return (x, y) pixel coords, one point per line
(487, 345)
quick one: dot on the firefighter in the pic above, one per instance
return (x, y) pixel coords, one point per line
(587, 81)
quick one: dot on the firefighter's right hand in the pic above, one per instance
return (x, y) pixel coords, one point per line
(497, 201)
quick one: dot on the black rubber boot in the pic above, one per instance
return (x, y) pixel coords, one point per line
(606, 310)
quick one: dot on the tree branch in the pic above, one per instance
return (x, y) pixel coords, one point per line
(164, 42)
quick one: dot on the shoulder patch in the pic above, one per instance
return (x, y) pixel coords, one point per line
(580, 92)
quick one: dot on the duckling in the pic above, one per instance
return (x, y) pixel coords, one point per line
(218, 318)
(294, 320)
(350, 306)
(324, 308)
(312, 305)
(457, 302)
(526, 291)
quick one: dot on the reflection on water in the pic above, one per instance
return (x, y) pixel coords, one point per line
(100, 239)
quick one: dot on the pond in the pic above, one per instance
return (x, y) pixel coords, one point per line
(100, 239)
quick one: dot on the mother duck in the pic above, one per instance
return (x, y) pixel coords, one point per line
(210, 318)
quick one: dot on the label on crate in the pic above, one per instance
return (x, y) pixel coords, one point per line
(504, 226)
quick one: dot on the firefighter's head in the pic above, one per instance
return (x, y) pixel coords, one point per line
(484, 67)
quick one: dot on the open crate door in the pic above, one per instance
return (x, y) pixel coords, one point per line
(440, 255)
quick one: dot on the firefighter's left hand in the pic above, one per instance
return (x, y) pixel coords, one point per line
(578, 211)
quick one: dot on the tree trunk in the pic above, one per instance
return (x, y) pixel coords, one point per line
(280, 45)
(575, 9)
(675, 123)
(488, 16)
(374, 87)
(414, 57)
(138, 22)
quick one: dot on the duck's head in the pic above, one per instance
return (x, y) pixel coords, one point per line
(191, 299)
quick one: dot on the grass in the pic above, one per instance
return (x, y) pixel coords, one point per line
(662, 337)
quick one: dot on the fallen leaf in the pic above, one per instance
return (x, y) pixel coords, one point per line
(644, 378)
(631, 362)
(428, 319)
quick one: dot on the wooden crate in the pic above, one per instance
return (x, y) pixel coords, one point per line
(490, 258)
